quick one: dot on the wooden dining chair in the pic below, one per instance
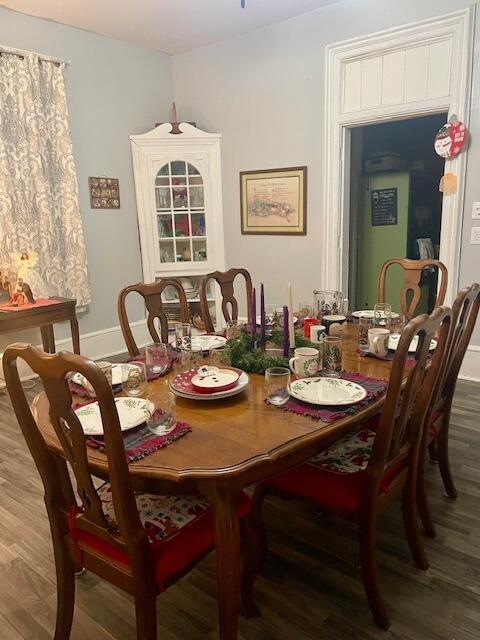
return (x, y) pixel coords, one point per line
(225, 279)
(152, 296)
(436, 435)
(412, 274)
(141, 543)
(360, 475)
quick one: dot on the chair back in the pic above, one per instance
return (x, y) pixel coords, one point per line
(412, 273)
(53, 369)
(402, 419)
(225, 280)
(152, 296)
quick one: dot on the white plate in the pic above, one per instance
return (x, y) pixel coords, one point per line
(259, 318)
(330, 392)
(119, 374)
(393, 343)
(131, 411)
(242, 383)
(217, 379)
(206, 342)
(369, 313)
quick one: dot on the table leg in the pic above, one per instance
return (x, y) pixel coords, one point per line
(48, 338)
(75, 334)
(227, 542)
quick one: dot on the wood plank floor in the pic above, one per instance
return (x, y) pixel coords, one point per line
(310, 588)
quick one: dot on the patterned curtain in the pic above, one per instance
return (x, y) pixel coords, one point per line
(39, 210)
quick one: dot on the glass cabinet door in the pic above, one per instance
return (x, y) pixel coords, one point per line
(180, 213)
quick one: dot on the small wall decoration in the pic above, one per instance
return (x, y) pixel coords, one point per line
(384, 207)
(104, 193)
(451, 139)
(448, 184)
(274, 201)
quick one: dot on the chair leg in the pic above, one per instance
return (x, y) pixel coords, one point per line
(255, 545)
(432, 451)
(422, 503)
(409, 512)
(444, 460)
(65, 570)
(368, 563)
(146, 616)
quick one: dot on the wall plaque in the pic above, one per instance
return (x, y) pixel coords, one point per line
(104, 193)
(384, 207)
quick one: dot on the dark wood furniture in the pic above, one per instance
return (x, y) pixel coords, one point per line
(239, 441)
(390, 463)
(412, 274)
(225, 280)
(465, 313)
(44, 318)
(152, 296)
(114, 543)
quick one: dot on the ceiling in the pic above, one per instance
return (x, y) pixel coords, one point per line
(173, 26)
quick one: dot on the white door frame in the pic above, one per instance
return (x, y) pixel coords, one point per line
(458, 26)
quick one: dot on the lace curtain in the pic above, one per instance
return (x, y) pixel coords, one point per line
(39, 210)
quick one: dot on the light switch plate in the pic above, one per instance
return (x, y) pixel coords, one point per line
(475, 237)
(476, 211)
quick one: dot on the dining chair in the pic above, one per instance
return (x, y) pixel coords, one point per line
(152, 296)
(436, 435)
(225, 280)
(141, 543)
(360, 474)
(412, 274)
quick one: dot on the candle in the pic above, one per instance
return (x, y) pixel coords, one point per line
(263, 321)
(290, 326)
(286, 337)
(254, 316)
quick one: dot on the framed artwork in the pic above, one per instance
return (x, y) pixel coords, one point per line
(104, 193)
(274, 201)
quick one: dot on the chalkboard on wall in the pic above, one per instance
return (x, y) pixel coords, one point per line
(384, 207)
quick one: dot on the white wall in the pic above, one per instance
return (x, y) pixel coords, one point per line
(264, 92)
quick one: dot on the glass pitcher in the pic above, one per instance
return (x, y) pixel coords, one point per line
(328, 302)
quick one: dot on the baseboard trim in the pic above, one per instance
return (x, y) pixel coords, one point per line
(471, 364)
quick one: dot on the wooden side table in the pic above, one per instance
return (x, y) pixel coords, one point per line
(44, 318)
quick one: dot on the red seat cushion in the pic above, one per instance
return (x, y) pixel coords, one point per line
(180, 529)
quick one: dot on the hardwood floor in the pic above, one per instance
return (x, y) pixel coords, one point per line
(310, 587)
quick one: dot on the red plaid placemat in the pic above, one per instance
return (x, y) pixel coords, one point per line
(374, 387)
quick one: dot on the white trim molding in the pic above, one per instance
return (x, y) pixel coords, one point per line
(447, 38)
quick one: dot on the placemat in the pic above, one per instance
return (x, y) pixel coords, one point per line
(374, 387)
(40, 302)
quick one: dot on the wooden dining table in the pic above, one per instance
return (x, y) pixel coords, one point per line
(234, 443)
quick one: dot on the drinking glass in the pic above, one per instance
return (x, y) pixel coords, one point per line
(364, 324)
(161, 413)
(156, 357)
(397, 324)
(382, 314)
(332, 356)
(277, 383)
(271, 315)
(233, 330)
(183, 335)
(219, 357)
(191, 358)
(134, 381)
(305, 310)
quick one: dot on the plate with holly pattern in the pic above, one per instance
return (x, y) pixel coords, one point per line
(132, 412)
(331, 392)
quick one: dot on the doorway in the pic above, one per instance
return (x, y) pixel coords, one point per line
(395, 206)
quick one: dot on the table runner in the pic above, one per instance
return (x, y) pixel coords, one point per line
(40, 302)
(374, 387)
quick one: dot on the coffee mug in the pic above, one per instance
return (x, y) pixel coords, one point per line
(378, 341)
(305, 361)
(333, 322)
(317, 332)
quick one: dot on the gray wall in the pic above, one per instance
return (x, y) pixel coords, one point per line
(264, 92)
(114, 89)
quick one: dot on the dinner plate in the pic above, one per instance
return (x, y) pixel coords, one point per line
(393, 343)
(214, 379)
(132, 412)
(217, 395)
(206, 342)
(259, 318)
(332, 392)
(369, 313)
(119, 374)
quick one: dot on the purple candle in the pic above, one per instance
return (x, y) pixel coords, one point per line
(254, 315)
(263, 321)
(286, 337)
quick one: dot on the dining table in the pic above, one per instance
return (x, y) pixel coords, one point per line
(234, 443)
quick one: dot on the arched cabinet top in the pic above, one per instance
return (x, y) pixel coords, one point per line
(164, 132)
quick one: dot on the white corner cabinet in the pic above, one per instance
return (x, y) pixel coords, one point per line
(178, 185)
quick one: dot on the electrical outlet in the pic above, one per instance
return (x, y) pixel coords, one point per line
(476, 211)
(475, 237)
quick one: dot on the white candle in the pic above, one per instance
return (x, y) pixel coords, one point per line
(291, 329)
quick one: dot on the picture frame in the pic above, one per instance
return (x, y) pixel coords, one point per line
(104, 192)
(274, 201)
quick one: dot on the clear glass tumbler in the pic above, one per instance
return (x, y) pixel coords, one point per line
(134, 379)
(382, 314)
(364, 324)
(161, 413)
(332, 356)
(277, 385)
(183, 335)
(156, 357)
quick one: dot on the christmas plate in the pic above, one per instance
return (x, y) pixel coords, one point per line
(206, 342)
(119, 375)
(369, 313)
(212, 379)
(182, 386)
(327, 391)
(280, 312)
(393, 343)
(132, 412)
